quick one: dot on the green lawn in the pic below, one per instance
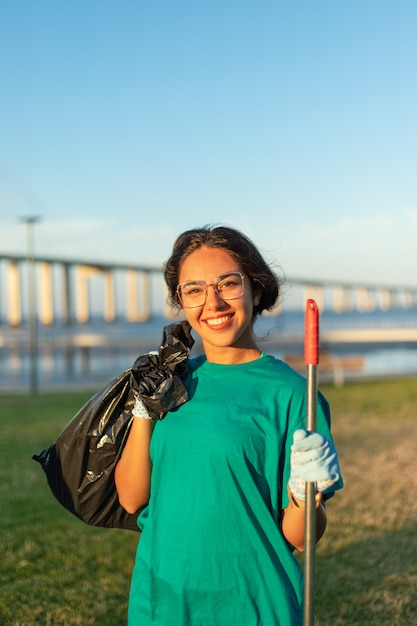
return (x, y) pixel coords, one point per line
(55, 570)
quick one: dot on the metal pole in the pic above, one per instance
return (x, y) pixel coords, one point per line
(32, 315)
(311, 357)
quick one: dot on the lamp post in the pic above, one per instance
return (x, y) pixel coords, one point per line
(30, 222)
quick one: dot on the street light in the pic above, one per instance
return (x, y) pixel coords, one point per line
(30, 222)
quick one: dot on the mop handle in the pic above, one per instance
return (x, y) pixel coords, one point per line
(311, 358)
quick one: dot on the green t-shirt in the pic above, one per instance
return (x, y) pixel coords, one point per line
(211, 552)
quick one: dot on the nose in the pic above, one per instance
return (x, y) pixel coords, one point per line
(213, 298)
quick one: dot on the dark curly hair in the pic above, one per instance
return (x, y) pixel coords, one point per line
(264, 281)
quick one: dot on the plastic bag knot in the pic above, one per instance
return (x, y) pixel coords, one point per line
(156, 376)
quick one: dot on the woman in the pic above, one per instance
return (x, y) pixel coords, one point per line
(222, 477)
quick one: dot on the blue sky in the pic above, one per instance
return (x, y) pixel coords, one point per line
(124, 123)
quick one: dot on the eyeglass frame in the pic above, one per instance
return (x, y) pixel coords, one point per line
(207, 285)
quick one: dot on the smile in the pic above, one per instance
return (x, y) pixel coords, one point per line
(218, 321)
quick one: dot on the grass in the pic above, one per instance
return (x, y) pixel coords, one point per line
(366, 563)
(55, 570)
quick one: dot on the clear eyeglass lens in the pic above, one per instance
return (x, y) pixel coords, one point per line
(193, 293)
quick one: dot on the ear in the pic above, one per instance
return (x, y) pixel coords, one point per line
(257, 297)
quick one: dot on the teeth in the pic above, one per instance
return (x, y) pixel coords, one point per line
(218, 320)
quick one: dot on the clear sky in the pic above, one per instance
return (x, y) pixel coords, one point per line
(124, 123)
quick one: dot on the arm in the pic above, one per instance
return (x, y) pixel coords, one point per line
(133, 471)
(293, 521)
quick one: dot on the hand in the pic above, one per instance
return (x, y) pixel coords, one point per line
(139, 409)
(313, 459)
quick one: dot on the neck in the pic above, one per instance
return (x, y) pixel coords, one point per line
(232, 356)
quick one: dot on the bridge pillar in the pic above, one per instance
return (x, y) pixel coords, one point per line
(410, 299)
(133, 312)
(388, 299)
(342, 299)
(84, 273)
(14, 299)
(46, 302)
(109, 311)
(366, 300)
(66, 295)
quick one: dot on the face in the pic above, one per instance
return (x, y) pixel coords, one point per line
(225, 326)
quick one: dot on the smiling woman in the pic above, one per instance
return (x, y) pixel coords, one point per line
(224, 325)
(245, 286)
(221, 480)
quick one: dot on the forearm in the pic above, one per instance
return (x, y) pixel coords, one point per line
(293, 522)
(133, 471)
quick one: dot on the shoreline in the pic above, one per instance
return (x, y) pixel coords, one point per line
(352, 347)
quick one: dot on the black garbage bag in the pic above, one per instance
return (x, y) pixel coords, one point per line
(79, 466)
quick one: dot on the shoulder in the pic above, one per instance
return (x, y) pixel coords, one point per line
(289, 384)
(274, 368)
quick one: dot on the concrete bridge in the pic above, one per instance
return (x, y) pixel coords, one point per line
(70, 291)
(65, 289)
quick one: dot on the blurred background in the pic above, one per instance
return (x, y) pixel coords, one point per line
(124, 124)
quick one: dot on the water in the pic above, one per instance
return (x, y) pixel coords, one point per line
(60, 364)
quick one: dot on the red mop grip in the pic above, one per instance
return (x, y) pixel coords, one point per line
(311, 334)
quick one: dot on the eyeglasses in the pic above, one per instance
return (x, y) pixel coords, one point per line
(193, 293)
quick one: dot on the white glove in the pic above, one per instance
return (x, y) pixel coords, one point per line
(313, 459)
(140, 410)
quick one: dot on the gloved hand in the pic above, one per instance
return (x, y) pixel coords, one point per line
(140, 410)
(313, 459)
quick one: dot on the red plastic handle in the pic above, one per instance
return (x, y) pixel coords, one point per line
(311, 334)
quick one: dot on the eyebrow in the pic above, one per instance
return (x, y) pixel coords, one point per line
(215, 279)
